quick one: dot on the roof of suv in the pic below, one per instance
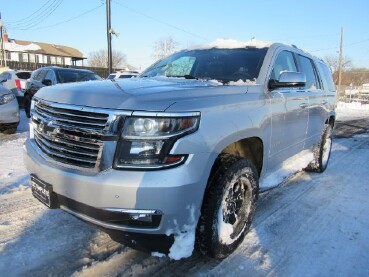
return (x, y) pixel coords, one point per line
(66, 68)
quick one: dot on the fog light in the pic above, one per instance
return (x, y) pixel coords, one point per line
(137, 218)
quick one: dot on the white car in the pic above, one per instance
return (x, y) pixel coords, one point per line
(123, 74)
(9, 111)
(15, 81)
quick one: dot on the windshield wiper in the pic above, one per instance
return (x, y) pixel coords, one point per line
(187, 76)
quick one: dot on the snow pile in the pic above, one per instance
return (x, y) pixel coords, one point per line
(222, 43)
(289, 168)
(353, 110)
(184, 240)
(242, 83)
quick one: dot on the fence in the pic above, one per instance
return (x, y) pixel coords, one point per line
(101, 71)
(354, 94)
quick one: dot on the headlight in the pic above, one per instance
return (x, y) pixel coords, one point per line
(146, 141)
(6, 98)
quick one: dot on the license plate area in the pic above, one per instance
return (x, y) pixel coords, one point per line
(43, 192)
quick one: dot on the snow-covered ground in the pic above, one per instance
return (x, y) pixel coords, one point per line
(313, 224)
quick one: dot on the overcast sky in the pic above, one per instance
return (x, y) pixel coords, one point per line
(311, 25)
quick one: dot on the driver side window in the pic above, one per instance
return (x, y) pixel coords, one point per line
(284, 62)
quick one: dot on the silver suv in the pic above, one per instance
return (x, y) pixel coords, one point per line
(180, 150)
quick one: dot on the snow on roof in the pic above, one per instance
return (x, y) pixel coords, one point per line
(12, 46)
(222, 43)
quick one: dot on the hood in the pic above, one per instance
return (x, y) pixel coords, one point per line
(143, 94)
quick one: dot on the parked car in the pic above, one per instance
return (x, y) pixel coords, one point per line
(179, 151)
(9, 111)
(48, 76)
(123, 74)
(16, 80)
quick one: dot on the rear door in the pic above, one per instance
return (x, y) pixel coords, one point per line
(317, 100)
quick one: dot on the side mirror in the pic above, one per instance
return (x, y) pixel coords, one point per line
(288, 79)
(47, 82)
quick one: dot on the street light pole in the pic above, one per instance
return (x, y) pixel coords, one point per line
(108, 19)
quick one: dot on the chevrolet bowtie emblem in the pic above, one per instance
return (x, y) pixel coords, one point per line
(46, 127)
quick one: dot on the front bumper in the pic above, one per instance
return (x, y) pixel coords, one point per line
(176, 193)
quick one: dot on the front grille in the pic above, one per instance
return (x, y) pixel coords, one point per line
(69, 134)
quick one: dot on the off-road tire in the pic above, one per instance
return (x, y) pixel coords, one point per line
(10, 128)
(322, 151)
(231, 172)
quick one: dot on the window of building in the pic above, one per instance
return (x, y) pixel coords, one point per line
(25, 57)
(32, 58)
(52, 60)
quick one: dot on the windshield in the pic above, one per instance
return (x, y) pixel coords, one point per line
(69, 76)
(224, 65)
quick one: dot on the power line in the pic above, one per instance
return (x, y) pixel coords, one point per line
(41, 17)
(161, 22)
(68, 20)
(34, 16)
(349, 44)
(26, 18)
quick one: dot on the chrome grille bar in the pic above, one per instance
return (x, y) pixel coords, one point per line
(73, 135)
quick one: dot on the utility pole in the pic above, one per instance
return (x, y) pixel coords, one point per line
(108, 29)
(340, 62)
(3, 61)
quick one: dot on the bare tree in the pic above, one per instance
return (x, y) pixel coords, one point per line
(333, 63)
(164, 47)
(100, 59)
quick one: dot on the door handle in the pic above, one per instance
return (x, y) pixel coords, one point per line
(324, 102)
(304, 105)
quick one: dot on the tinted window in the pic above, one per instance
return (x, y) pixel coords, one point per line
(111, 76)
(39, 77)
(284, 62)
(51, 76)
(307, 67)
(23, 75)
(69, 76)
(125, 76)
(326, 76)
(224, 65)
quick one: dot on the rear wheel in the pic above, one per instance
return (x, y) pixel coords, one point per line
(228, 207)
(322, 151)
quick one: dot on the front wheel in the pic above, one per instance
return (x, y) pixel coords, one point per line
(322, 151)
(228, 207)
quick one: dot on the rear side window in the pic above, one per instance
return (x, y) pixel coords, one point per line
(307, 67)
(284, 62)
(326, 77)
(23, 75)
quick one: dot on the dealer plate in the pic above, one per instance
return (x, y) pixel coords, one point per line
(41, 190)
